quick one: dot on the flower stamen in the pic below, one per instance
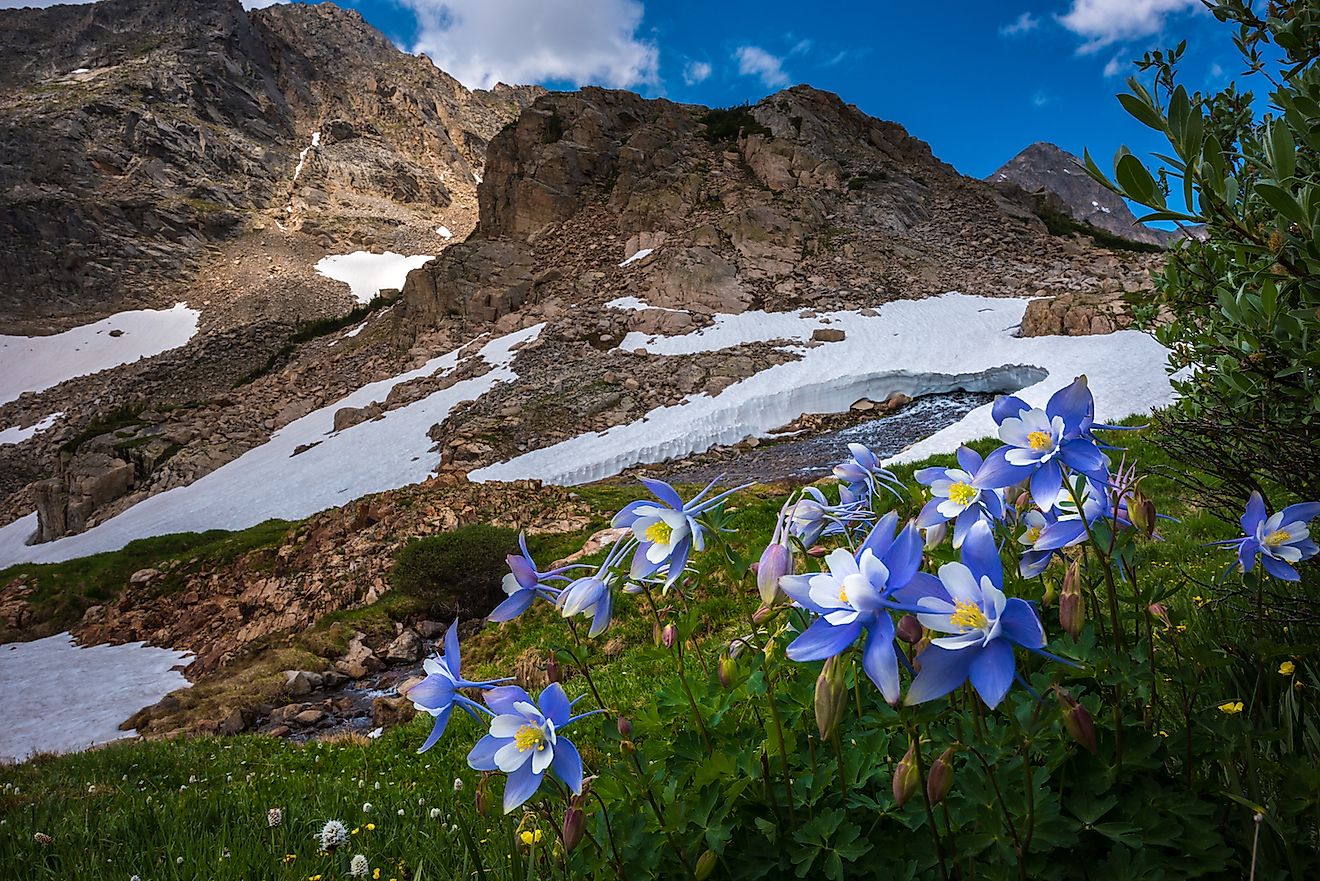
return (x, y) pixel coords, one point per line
(529, 737)
(963, 494)
(1276, 538)
(659, 532)
(968, 616)
(1040, 440)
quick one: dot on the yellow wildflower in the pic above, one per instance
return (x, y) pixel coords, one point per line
(530, 837)
(1287, 668)
(371, 827)
(1231, 708)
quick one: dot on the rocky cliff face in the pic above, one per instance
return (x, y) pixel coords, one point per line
(1047, 171)
(134, 134)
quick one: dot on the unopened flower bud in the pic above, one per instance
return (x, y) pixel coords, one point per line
(553, 673)
(776, 562)
(1141, 511)
(1077, 720)
(762, 615)
(727, 670)
(625, 727)
(669, 636)
(818, 551)
(939, 780)
(1023, 502)
(1051, 594)
(906, 779)
(575, 824)
(831, 697)
(909, 629)
(1072, 611)
(920, 646)
(482, 799)
(705, 865)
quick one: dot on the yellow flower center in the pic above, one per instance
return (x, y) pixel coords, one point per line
(529, 737)
(962, 494)
(1276, 538)
(1033, 535)
(968, 616)
(659, 532)
(1040, 440)
(843, 594)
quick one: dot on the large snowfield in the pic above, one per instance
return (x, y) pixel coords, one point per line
(940, 344)
(367, 274)
(35, 363)
(92, 691)
(270, 481)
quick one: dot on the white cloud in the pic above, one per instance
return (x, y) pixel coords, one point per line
(261, 4)
(755, 61)
(1039, 99)
(696, 72)
(482, 42)
(1114, 66)
(19, 4)
(1105, 22)
(1024, 23)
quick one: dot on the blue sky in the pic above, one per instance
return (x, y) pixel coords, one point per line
(979, 81)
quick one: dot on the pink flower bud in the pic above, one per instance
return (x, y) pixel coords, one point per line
(909, 629)
(552, 671)
(575, 824)
(762, 615)
(776, 562)
(940, 778)
(625, 727)
(1077, 720)
(669, 636)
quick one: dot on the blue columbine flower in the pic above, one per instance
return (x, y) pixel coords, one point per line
(812, 517)
(856, 596)
(667, 530)
(863, 474)
(1279, 540)
(526, 739)
(525, 583)
(593, 595)
(1039, 443)
(437, 694)
(983, 626)
(957, 497)
(1034, 560)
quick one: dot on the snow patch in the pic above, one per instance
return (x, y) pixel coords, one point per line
(443, 232)
(640, 255)
(302, 155)
(104, 685)
(355, 331)
(273, 480)
(35, 363)
(634, 304)
(939, 344)
(367, 274)
(17, 435)
(78, 70)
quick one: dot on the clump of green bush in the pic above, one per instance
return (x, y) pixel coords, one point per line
(456, 573)
(727, 124)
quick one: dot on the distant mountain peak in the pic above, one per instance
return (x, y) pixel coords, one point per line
(1045, 169)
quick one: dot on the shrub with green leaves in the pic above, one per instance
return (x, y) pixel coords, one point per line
(1240, 307)
(457, 572)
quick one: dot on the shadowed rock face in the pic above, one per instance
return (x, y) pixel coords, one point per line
(1050, 170)
(134, 133)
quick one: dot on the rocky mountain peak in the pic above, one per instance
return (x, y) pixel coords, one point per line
(1055, 177)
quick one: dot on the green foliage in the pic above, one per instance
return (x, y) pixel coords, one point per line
(554, 128)
(62, 592)
(1241, 309)
(310, 330)
(725, 125)
(115, 420)
(458, 572)
(1060, 224)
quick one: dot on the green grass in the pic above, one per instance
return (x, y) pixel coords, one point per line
(137, 808)
(62, 592)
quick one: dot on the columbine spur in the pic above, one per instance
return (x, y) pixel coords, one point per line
(524, 583)
(526, 740)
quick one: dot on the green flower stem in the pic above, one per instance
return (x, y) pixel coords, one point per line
(659, 815)
(915, 738)
(682, 673)
(582, 665)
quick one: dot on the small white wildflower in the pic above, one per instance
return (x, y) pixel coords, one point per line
(366, 807)
(134, 878)
(192, 778)
(41, 838)
(378, 784)
(333, 834)
(274, 817)
(435, 813)
(357, 867)
(178, 861)
(400, 812)
(458, 784)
